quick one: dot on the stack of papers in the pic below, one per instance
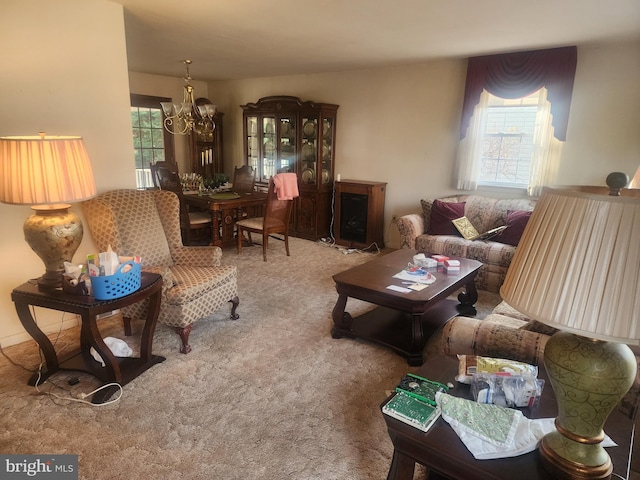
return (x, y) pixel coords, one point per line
(418, 276)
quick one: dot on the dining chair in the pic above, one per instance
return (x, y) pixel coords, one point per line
(190, 221)
(275, 220)
(244, 179)
(154, 167)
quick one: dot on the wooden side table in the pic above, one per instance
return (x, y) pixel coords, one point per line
(443, 453)
(117, 369)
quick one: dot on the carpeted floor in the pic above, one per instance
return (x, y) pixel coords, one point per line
(268, 396)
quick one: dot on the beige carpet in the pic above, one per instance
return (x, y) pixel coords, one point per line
(269, 396)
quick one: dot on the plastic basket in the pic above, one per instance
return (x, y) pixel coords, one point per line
(117, 285)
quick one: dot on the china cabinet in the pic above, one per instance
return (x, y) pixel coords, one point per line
(286, 134)
(205, 147)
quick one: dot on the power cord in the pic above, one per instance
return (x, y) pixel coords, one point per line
(80, 397)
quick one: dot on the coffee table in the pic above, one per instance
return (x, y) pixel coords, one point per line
(402, 321)
(444, 454)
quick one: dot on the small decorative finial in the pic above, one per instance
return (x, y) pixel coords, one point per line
(616, 181)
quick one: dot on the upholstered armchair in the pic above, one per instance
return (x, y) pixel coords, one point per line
(147, 223)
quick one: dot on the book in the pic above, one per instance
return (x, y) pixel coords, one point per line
(411, 411)
(468, 231)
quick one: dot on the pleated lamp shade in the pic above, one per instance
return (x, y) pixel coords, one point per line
(44, 170)
(577, 266)
(47, 173)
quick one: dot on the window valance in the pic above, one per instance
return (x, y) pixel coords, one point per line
(515, 75)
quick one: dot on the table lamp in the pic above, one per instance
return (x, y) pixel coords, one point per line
(635, 181)
(47, 172)
(577, 268)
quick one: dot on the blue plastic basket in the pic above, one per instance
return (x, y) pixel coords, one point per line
(117, 285)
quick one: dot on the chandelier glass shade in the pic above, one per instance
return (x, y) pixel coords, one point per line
(182, 118)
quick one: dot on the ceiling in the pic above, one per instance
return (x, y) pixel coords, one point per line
(236, 39)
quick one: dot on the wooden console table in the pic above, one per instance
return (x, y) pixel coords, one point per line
(226, 211)
(117, 369)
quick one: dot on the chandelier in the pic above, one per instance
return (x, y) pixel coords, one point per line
(181, 118)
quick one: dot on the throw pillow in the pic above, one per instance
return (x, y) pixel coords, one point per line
(516, 221)
(442, 216)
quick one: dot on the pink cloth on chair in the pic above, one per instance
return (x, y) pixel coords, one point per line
(286, 186)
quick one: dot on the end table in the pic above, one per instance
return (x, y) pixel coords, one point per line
(443, 453)
(119, 370)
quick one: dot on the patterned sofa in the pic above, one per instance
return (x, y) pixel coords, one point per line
(484, 213)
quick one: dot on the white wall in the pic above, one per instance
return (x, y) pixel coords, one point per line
(604, 123)
(64, 71)
(400, 124)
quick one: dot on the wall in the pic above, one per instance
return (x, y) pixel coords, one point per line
(64, 71)
(400, 124)
(171, 87)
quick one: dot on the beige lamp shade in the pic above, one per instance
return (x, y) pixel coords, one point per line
(47, 173)
(44, 170)
(577, 266)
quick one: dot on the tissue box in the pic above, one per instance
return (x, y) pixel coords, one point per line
(440, 258)
(451, 265)
(425, 262)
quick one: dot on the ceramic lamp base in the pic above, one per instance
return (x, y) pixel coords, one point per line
(54, 234)
(589, 378)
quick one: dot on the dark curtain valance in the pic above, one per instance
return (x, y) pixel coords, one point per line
(515, 75)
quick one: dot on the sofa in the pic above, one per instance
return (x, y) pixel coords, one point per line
(432, 231)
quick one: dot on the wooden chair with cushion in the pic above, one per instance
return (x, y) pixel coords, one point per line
(276, 220)
(191, 222)
(154, 167)
(147, 223)
(244, 179)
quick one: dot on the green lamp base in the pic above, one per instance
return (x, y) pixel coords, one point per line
(589, 378)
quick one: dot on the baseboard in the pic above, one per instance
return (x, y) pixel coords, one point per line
(53, 327)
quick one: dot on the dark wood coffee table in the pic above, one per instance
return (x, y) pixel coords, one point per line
(402, 321)
(444, 454)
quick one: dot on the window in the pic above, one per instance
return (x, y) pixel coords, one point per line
(151, 142)
(508, 141)
(500, 142)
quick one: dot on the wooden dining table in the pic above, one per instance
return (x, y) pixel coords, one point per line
(226, 209)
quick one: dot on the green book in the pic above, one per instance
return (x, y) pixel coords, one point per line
(411, 411)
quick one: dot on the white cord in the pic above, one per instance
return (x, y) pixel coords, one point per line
(81, 396)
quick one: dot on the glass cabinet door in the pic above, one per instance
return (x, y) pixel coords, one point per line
(309, 150)
(253, 152)
(328, 125)
(269, 150)
(287, 144)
